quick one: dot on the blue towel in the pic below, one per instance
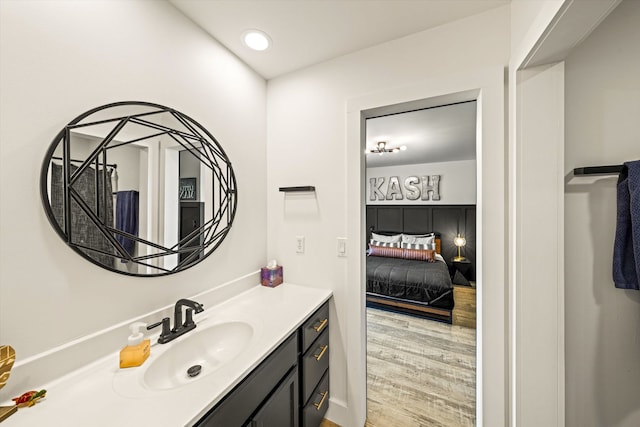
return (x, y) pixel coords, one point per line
(626, 248)
(127, 218)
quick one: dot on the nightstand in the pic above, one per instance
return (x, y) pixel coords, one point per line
(460, 272)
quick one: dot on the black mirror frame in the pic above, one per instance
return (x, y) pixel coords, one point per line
(215, 238)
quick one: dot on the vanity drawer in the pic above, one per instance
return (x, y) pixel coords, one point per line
(315, 363)
(314, 410)
(314, 326)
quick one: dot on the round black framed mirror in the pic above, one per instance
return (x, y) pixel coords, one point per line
(138, 188)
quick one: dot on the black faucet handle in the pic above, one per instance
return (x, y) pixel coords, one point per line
(166, 326)
(188, 318)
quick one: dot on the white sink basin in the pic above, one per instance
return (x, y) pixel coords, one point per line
(210, 348)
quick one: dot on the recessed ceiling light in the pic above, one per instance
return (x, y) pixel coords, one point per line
(256, 40)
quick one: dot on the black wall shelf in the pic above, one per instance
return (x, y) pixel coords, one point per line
(598, 170)
(300, 189)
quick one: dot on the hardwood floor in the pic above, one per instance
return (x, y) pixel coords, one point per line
(420, 373)
(464, 313)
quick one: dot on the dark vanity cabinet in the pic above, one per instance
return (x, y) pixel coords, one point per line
(314, 363)
(265, 390)
(281, 408)
(290, 388)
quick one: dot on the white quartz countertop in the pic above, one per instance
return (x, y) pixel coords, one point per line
(98, 394)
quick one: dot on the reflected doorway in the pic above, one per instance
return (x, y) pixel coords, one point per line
(421, 179)
(191, 220)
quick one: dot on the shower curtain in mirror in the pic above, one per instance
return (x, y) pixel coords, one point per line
(83, 231)
(127, 218)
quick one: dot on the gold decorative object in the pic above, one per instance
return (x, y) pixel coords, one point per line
(7, 411)
(7, 359)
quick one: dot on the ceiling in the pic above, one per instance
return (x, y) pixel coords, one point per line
(306, 32)
(431, 135)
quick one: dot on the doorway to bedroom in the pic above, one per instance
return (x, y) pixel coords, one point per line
(421, 180)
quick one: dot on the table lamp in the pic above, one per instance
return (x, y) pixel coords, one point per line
(459, 241)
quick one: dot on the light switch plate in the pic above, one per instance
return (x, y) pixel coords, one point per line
(342, 246)
(300, 244)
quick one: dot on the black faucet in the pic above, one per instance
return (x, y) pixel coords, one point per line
(179, 327)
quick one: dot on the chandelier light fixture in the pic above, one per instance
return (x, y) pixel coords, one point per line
(381, 148)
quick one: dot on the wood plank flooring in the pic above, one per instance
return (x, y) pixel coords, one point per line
(420, 373)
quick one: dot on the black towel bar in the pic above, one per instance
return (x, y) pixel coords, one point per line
(598, 170)
(298, 189)
(113, 165)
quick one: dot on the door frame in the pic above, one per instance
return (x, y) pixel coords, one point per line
(487, 87)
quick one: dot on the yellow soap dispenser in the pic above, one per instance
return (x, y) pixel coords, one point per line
(138, 349)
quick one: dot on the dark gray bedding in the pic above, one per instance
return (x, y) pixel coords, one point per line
(425, 282)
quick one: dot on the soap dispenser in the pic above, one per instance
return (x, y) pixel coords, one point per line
(138, 349)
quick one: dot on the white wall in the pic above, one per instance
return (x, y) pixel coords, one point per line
(306, 138)
(59, 59)
(457, 182)
(602, 322)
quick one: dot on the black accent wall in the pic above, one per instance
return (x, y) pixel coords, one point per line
(448, 220)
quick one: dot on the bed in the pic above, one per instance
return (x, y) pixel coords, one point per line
(407, 276)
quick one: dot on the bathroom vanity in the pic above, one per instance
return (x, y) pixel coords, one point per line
(290, 387)
(277, 373)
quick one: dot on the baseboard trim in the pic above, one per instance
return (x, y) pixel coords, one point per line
(337, 413)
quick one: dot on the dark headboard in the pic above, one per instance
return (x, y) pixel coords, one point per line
(447, 220)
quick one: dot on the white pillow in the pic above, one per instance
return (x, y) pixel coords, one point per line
(386, 239)
(421, 239)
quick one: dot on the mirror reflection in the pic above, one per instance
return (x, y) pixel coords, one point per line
(139, 188)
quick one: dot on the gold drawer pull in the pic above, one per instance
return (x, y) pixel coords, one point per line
(324, 397)
(319, 356)
(321, 325)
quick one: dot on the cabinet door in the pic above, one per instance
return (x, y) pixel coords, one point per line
(236, 408)
(281, 409)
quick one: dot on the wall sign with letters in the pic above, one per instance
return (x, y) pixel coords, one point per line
(188, 189)
(412, 188)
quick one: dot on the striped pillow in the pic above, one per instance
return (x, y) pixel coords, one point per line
(420, 246)
(389, 252)
(373, 242)
(428, 255)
